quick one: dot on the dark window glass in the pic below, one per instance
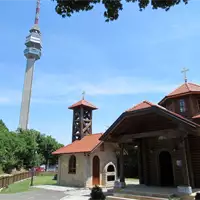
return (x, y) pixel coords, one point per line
(182, 105)
(111, 178)
(72, 165)
(110, 168)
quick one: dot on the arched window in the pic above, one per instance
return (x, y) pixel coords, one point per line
(72, 165)
(110, 168)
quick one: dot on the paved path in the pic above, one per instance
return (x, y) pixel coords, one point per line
(38, 194)
(71, 193)
(48, 192)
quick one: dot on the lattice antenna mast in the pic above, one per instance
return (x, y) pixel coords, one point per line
(37, 14)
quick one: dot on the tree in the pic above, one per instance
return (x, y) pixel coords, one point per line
(10, 147)
(47, 145)
(112, 7)
(3, 127)
(29, 145)
(25, 148)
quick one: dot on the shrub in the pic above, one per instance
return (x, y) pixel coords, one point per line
(97, 193)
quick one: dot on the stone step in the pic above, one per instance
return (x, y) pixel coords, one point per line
(133, 198)
(142, 194)
(120, 196)
(117, 198)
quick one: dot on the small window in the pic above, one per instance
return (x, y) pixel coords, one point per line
(182, 105)
(110, 168)
(198, 104)
(72, 165)
(111, 178)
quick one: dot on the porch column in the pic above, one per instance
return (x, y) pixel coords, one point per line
(121, 161)
(186, 180)
(185, 167)
(140, 170)
(190, 169)
(144, 162)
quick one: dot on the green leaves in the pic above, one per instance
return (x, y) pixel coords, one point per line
(112, 7)
(25, 148)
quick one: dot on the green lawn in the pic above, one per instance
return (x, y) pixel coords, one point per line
(25, 185)
(132, 179)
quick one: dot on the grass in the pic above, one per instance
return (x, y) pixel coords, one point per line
(25, 185)
(47, 174)
(132, 179)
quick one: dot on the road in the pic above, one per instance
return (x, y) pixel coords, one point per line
(38, 194)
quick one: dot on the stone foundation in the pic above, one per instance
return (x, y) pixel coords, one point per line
(184, 189)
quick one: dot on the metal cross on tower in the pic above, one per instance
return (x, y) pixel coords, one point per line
(184, 71)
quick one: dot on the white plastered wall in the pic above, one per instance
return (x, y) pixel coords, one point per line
(78, 179)
(106, 156)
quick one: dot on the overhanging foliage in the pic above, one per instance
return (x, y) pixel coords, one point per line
(112, 7)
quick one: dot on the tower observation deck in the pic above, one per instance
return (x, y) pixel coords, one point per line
(32, 53)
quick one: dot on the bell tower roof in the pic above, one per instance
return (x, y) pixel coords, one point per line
(184, 89)
(83, 103)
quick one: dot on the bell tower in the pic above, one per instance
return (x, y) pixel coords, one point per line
(82, 119)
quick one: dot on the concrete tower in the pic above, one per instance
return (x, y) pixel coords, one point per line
(32, 53)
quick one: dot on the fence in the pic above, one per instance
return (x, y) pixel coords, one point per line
(7, 180)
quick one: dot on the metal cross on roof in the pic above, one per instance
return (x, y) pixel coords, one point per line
(184, 71)
(83, 93)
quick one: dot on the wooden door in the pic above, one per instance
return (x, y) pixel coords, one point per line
(95, 171)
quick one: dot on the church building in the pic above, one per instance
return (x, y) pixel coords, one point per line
(167, 137)
(87, 161)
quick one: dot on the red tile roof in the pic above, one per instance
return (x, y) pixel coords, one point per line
(83, 102)
(85, 145)
(147, 104)
(142, 105)
(185, 88)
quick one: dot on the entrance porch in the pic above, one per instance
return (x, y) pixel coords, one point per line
(134, 190)
(162, 139)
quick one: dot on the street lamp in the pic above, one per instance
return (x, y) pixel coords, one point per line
(33, 162)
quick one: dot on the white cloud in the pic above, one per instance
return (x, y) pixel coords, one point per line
(62, 88)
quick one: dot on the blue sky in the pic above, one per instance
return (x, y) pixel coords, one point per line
(138, 57)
